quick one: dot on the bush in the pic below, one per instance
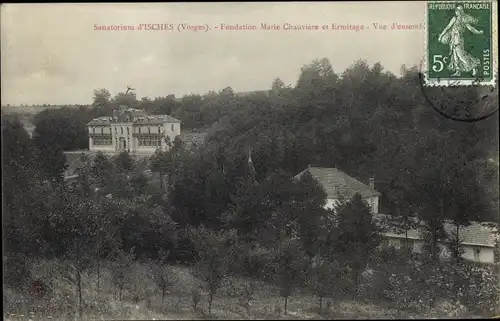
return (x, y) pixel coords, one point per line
(450, 288)
(256, 263)
(482, 292)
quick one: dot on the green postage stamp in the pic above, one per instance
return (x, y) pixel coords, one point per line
(461, 43)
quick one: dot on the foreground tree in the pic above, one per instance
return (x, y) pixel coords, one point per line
(215, 254)
(163, 276)
(289, 263)
(322, 277)
(122, 270)
(358, 236)
(74, 222)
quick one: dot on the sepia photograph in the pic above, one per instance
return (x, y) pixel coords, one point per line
(250, 160)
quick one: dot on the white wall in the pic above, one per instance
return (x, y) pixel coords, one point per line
(373, 202)
(331, 202)
(172, 133)
(486, 254)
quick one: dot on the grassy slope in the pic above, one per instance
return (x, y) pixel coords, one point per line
(142, 301)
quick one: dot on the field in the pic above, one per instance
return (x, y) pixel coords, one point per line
(141, 300)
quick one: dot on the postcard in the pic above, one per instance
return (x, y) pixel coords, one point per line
(250, 160)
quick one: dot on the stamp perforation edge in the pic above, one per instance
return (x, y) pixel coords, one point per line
(494, 50)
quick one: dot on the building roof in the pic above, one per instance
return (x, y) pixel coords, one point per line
(477, 233)
(139, 120)
(338, 184)
(100, 121)
(155, 120)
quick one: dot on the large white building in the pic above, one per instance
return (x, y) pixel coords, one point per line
(132, 130)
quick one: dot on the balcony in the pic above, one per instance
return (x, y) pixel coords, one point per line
(104, 135)
(147, 134)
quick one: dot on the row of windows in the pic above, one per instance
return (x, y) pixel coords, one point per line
(139, 130)
(101, 130)
(150, 141)
(102, 141)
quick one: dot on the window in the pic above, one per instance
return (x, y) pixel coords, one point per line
(149, 130)
(139, 130)
(159, 130)
(121, 130)
(100, 141)
(173, 127)
(477, 253)
(93, 130)
(128, 131)
(102, 130)
(149, 141)
(116, 130)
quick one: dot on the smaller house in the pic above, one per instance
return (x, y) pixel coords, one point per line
(477, 241)
(338, 185)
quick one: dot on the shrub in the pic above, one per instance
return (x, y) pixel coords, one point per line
(408, 289)
(257, 263)
(481, 295)
(450, 288)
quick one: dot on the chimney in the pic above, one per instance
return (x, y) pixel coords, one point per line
(115, 115)
(372, 183)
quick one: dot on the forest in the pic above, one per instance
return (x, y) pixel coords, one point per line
(222, 216)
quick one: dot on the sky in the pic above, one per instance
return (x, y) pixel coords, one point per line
(52, 54)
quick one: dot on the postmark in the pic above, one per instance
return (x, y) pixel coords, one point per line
(460, 43)
(470, 103)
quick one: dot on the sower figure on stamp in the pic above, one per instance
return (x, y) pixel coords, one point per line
(453, 35)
